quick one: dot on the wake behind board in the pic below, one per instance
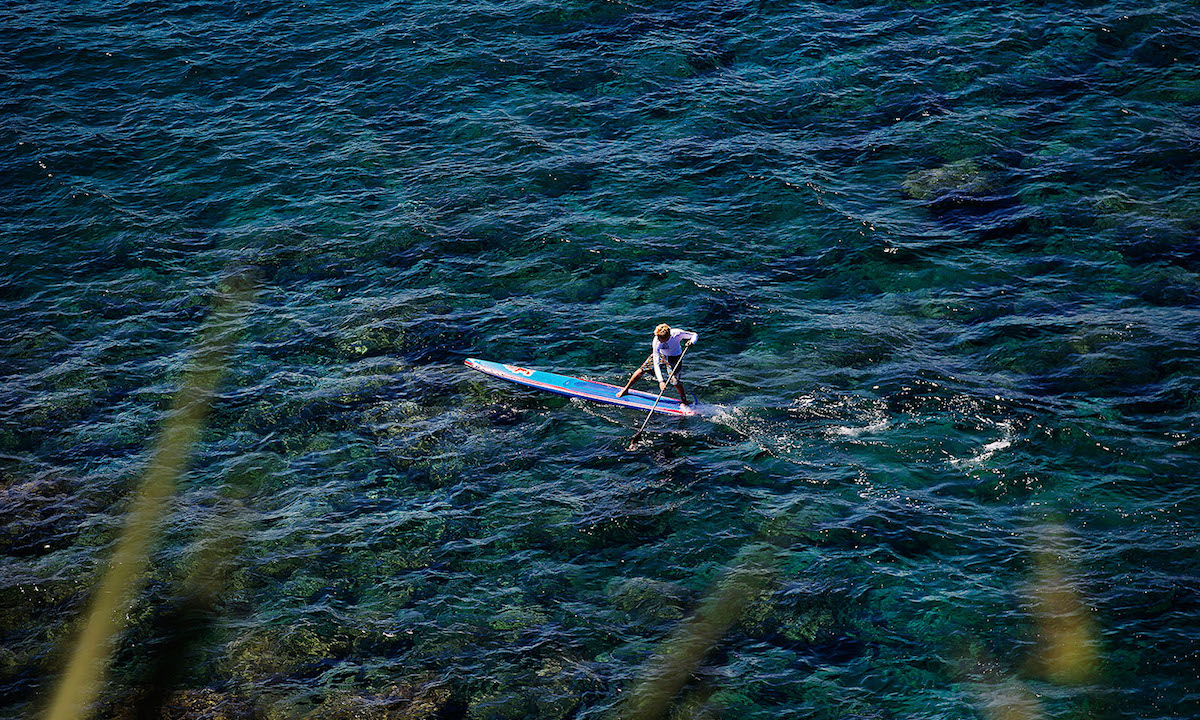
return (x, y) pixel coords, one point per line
(578, 387)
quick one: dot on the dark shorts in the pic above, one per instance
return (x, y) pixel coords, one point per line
(673, 361)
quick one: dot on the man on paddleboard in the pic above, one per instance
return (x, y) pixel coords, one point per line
(668, 343)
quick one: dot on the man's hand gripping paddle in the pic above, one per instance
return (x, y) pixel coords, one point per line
(667, 384)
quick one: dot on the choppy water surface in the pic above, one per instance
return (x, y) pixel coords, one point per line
(942, 258)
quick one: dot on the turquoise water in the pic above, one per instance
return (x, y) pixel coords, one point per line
(943, 262)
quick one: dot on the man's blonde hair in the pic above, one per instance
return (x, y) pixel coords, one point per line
(662, 331)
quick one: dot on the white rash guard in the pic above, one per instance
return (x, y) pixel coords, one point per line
(670, 348)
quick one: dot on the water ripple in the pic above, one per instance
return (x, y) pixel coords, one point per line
(943, 265)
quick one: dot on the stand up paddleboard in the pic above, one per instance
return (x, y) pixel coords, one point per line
(578, 387)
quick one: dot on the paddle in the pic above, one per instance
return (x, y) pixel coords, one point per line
(667, 384)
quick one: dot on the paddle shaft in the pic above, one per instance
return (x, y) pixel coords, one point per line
(660, 392)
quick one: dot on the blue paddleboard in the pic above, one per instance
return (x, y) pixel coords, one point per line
(580, 388)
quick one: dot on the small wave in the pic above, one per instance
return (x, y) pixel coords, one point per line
(986, 452)
(877, 426)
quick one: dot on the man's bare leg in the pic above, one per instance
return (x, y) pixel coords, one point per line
(637, 374)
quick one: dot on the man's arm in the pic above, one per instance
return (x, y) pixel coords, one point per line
(654, 346)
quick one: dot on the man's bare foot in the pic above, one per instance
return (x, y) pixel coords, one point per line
(622, 392)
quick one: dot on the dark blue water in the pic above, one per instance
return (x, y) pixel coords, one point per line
(943, 260)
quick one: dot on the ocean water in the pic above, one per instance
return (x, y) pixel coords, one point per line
(943, 261)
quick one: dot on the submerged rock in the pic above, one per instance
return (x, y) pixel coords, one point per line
(802, 613)
(961, 177)
(554, 691)
(188, 704)
(420, 699)
(514, 620)
(502, 705)
(265, 652)
(369, 341)
(208, 704)
(648, 599)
